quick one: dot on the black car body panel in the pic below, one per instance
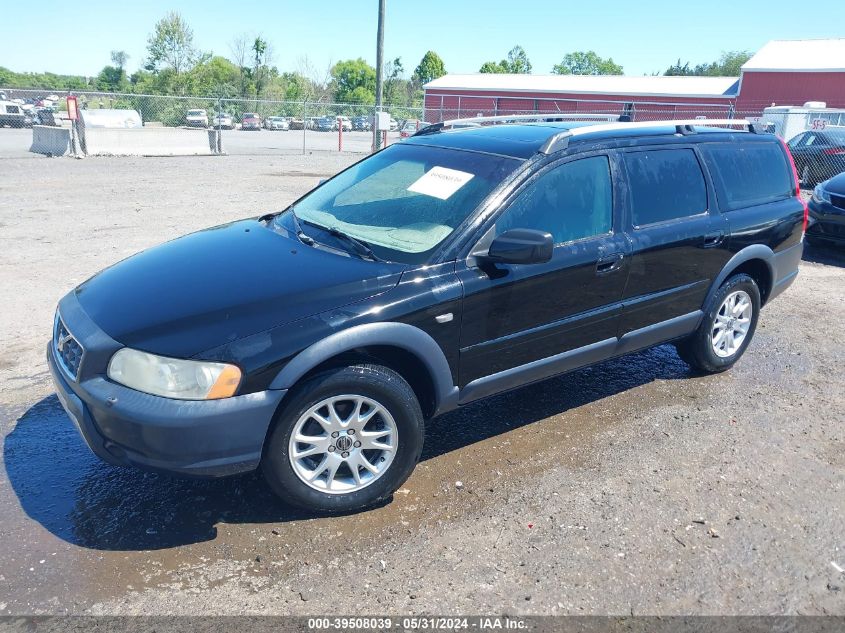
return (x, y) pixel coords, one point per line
(827, 219)
(457, 327)
(223, 284)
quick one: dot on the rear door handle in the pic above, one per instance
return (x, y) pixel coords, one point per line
(713, 239)
(609, 263)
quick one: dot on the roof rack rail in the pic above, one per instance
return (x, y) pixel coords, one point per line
(542, 117)
(684, 127)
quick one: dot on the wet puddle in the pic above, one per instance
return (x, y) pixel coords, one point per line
(85, 531)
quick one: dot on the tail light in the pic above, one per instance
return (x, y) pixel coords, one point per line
(797, 186)
(839, 151)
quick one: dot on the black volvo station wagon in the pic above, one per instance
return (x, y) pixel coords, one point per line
(470, 260)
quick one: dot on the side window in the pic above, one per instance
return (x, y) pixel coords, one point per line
(809, 140)
(796, 141)
(747, 174)
(572, 202)
(665, 185)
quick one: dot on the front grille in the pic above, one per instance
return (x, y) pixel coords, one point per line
(68, 349)
(838, 202)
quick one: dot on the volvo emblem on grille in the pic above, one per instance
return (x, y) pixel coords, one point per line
(63, 339)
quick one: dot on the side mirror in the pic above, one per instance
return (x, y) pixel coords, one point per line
(520, 246)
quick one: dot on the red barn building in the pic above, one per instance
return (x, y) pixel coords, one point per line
(783, 72)
(792, 72)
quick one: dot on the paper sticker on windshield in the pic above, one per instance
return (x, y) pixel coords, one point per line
(440, 182)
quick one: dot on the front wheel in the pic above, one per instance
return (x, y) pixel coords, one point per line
(727, 328)
(346, 440)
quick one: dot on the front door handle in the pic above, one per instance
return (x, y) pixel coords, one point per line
(713, 239)
(608, 263)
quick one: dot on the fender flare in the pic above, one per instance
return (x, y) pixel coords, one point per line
(392, 334)
(754, 251)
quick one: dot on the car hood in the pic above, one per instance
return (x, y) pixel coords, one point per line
(836, 185)
(220, 284)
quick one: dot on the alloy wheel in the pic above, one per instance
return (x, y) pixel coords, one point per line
(732, 323)
(343, 444)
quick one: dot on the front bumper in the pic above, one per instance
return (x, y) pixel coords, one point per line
(208, 438)
(827, 222)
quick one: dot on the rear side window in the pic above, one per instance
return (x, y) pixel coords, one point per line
(748, 174)
(665, 185)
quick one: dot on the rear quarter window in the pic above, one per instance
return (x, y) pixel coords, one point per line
(665, 185)
(749, 174)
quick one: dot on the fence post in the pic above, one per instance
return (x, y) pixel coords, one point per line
(339, 134)
(219, 126)
(304, 124)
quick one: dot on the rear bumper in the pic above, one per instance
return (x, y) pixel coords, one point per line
(785, 268)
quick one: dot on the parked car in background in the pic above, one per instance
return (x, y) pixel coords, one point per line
(409, 128)
(819, 155)
(296, 123)
(13, 114)
(276, 123)
(250, 121)
(197, 118)
(423, 278)
(827, 212)
(43, 116)
(362, 124)
(327, 124)
(344, 122)
(223, 121)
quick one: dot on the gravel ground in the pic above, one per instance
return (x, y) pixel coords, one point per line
(630, 487)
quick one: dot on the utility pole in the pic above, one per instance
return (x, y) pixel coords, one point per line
(379, 73)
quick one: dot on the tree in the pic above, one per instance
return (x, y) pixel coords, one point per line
(111, 79)
(119, 59)
(216, 77)
(492, 68)
(517, 63)
(728, 65)
(354, 81)
(430, 68)
(393, 81)
(260, 70)
(586, 63)
(171, 45)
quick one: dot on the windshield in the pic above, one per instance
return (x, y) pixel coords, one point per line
(404, 201)
(196, 112)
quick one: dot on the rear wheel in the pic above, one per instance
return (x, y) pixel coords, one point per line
(727, 327)
(348, 438)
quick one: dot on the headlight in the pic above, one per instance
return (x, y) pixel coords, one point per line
(173, 377)
(820, 195)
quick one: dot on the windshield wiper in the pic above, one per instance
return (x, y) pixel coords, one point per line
(297, 225)
(357, 245)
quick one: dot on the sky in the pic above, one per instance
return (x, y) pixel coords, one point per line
(644, 37)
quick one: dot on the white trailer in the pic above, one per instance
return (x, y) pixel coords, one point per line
(789, 121)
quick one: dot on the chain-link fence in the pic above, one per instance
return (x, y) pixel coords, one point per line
(283, 126)
(816, 136)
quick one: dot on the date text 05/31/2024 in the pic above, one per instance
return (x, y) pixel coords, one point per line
(422, 623)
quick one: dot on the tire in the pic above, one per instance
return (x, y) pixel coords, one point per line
(395, 420)
(700, 350)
